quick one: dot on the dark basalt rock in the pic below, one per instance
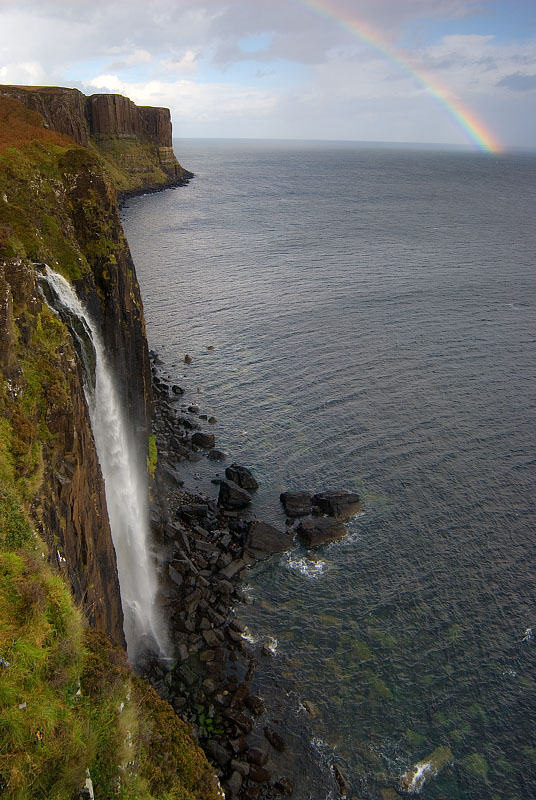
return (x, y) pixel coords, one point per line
(296, 504)
(204, 440)
(317, 531)
(232, 496)
(284, 786)
(277, 741)
(242, 476)
(216, 455)
(337, 504)
(263, 539)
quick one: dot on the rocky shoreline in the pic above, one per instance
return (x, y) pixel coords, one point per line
(204, 545)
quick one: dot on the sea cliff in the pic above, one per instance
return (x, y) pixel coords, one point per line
(70, 702)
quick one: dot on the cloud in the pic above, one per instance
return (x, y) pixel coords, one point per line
(139, 56)
(518, 82)
(187, 63)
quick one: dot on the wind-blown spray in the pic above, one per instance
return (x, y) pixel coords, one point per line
(124, 476)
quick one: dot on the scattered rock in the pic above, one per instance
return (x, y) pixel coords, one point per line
(317, 531)
(263, 539)
(342, 783)
(297, 504)
(204, 440)
(187, 359)
(340, 505)
(177, 389)
(277, 741)
(234, 783)
(212, 420)
(216, 455)
(284, 786)
(258, 756)
(255, 704)
(232, 496)
(311, 708)
(217, 753)
(259, 774)
(193, 409)
(242, 476)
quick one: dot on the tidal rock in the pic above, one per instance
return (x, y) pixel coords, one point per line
(263, 539)
(187, 359)
(284, 786)
(255, 704)
(317, 531)
(242, 476)
(212, 420)
(259, 774)
(193, 409)
(232, 496)
(216, 455)
(277, 741)
(337, 504)
(258, 756)
(177, 389)
(342, 782)
(296, 504)
(205, 440)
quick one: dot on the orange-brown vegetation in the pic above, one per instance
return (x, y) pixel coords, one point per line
(20, 126)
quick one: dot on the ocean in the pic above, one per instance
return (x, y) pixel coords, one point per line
(372, 314)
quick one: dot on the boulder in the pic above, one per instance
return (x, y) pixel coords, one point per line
(216, 455)
(296, 504)
(263, 539)
(205, 440)
(317, 531)
(277, 741)
(242, 476)
(232, 496)
(337, 504)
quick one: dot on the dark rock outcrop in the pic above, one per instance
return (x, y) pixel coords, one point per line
(242, 476)
(318, 531)
(296, 504)
(263, 540)
(337, 504)
(232, 497)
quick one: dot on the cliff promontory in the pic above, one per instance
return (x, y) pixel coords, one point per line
(134, 140)
(69, 705)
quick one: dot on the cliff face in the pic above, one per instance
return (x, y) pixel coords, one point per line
(59, 206)
(136, 141)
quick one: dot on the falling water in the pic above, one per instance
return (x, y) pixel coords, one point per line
(124, 475)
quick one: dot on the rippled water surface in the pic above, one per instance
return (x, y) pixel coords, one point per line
(372, 314)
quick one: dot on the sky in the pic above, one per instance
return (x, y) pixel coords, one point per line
(459, 72)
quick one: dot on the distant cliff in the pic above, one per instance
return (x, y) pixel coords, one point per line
(135, 140)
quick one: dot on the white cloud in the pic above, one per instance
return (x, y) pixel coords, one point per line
(28, 73)
(187, 63)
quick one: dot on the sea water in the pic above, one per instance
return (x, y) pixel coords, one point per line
(373, 318)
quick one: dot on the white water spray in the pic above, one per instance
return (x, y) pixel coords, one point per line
(125, 484)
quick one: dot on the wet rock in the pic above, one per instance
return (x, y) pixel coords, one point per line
(311, 708)
(234, 784)
(193, 409)
(175, 576)
(240, 766)
(255, 704)
(242, 476)
(263, 539)
(277, 741)
(177, 389)
(232, 569)
(258, 756)
(239, 745)
(240, 720)
(296, 504)
(232, 496)
(212, 420)
(217, 753)
(317, 531)
(340, 505)
(216, 455)
(187, 359)
(204, 440)
(284, 786)
(341, 780)
(259, 774)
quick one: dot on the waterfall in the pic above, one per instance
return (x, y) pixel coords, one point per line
(123, 471)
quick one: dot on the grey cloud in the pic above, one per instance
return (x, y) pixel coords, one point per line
(518, 82)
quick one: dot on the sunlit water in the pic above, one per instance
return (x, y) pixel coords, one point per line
(372, 314)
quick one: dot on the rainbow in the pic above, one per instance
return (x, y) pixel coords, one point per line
(465, 119)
